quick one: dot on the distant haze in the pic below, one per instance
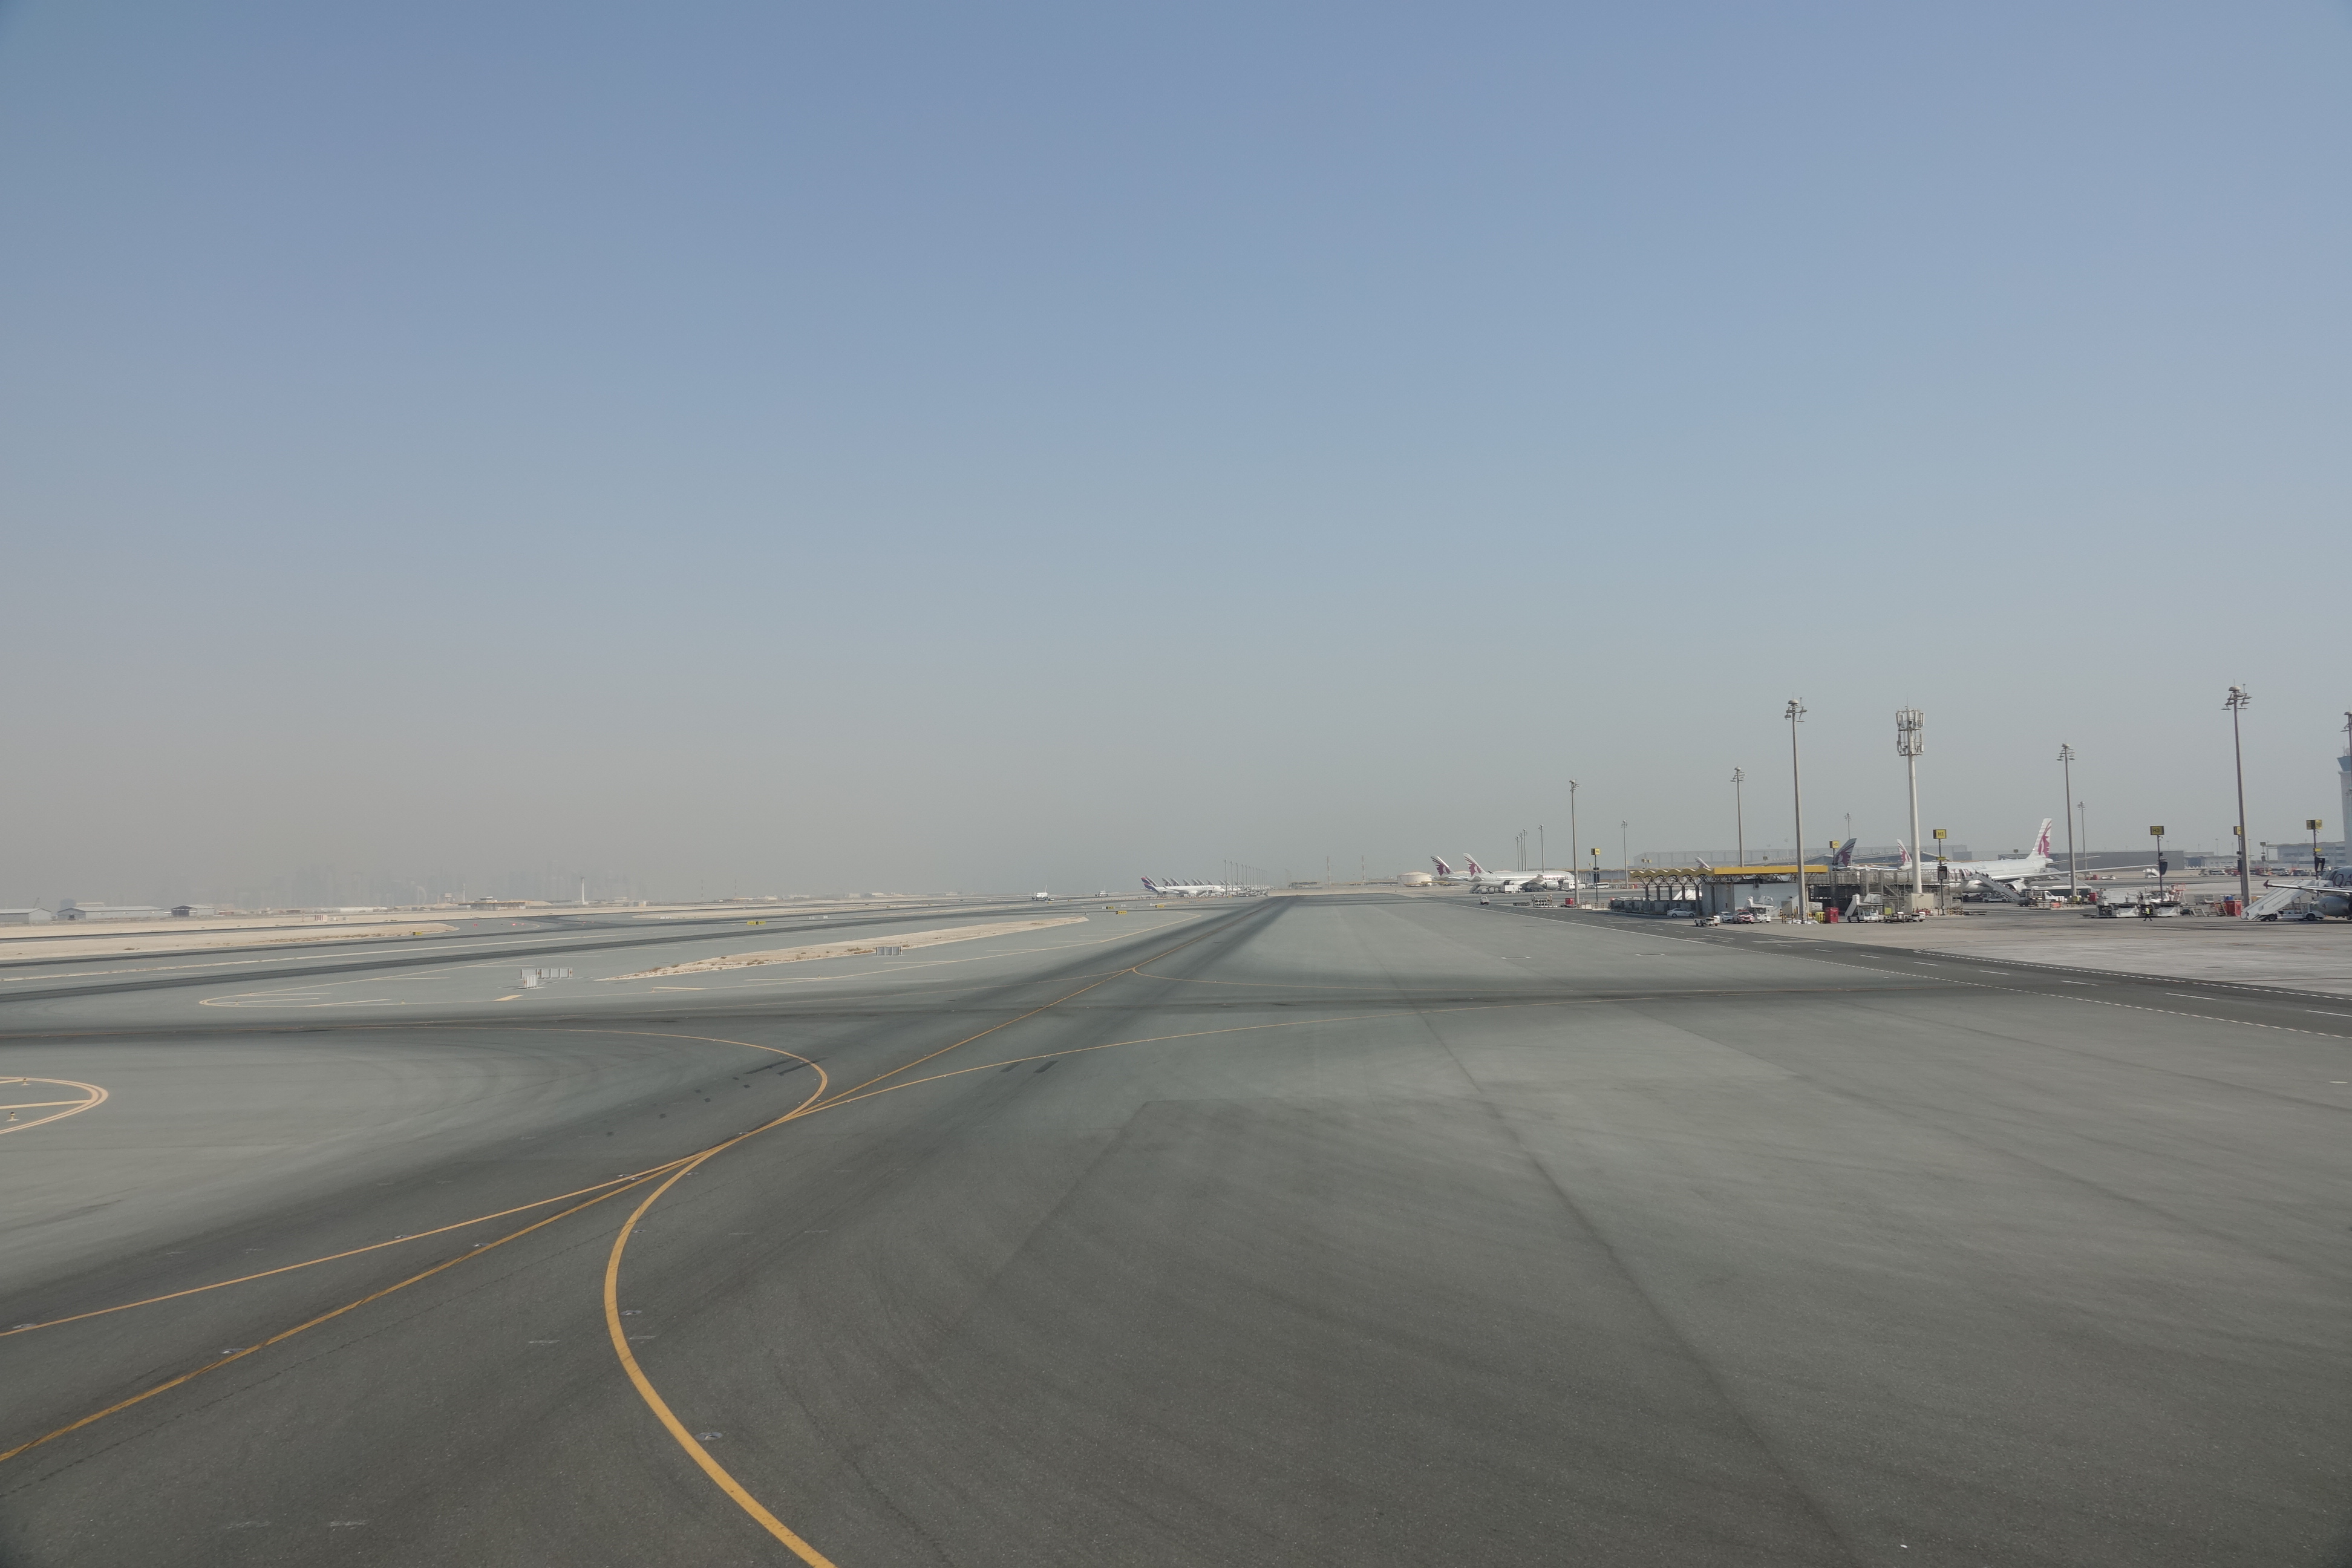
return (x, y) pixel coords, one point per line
(769, 448)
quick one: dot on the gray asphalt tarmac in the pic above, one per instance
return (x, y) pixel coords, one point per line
(1377, 1231)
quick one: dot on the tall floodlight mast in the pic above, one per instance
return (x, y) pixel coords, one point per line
(1910, 740)
(1572, 832)
(1740, 813)
(1797, 793)
(2066, 761)
(2236, 703)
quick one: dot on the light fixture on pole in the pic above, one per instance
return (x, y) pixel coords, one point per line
(1624, 853)
(2318, 865)
(2236, 703)
(1910, 740)
(2156, 831)
(2066, 761)
(1797, 794)
(1740, 813)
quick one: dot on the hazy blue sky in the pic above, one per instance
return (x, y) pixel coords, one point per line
(768, 446)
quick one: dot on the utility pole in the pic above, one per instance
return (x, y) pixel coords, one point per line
(1910, 742)
(1797, 793)
(1541, 864)
(2236, 703)
(2066, 761)
(1740, 813)
(1624, 851)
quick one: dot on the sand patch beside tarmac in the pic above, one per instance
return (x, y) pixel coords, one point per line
(850, 949)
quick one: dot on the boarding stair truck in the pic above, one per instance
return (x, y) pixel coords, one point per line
(2294, 901)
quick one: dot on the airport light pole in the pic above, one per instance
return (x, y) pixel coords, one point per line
(1571, 820)
(1910, 740)
(1740, 813)
(2236, 703)
(2066, 761)
(1797, 794)
(1624, 849)
(2313, 822)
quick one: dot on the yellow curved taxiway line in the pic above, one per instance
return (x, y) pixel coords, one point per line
(611, 1190)
(93, 1095)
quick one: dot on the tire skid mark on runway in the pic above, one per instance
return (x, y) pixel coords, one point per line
(686, 1440)
(93, 1097)
(438, 1230)
(879, 1085)
(165, 1388)
(679, 1167)
(338, 1256)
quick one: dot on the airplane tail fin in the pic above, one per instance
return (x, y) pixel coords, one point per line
(1443, 869)
(1148, 886)
(1472, 862)
(1844, 856)
(2042, 843)
(1902, 856)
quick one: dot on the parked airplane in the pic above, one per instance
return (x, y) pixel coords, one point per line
(1184, 890)
(1487, 881)
(2010, 873)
